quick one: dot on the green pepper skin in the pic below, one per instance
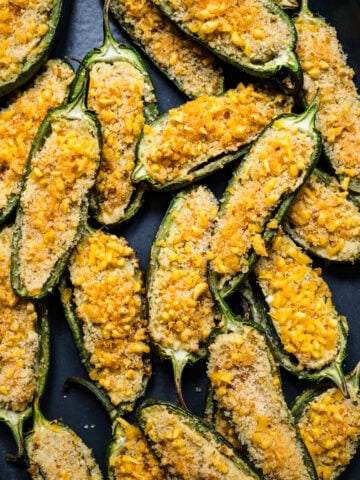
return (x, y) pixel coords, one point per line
(15, 420)
(310, 394)
(255, 302)
(278, 212)
(74, 109)
(202, 428)
(31, 67)
(285, 69)
(75, 325)
(231, 324)
(331, 183)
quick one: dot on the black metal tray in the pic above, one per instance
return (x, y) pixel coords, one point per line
(81, 30)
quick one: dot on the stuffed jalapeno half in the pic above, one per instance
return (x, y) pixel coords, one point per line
(103, 301)
(54, 450)
(24, 348)
(201, 136)
(326, 71)
(19, 122)
(27, 31)
(325, 220)
(246, 385)
(53, 206)
(123, 97)
(293, 303)
(192, 68)
(181, 309)
(258, 195)
(255, 36)
(187, 446)
(329, 424)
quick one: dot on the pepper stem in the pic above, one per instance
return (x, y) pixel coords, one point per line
(178, 365)
(335, 374)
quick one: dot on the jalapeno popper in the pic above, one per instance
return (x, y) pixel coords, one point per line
(201, 136)
(27, 30)
(329, 424)
(24, 348)
(122, 95)
(62, 168)
(326, 71)
(254, 35)
(259, 194)
(325, 220)
(188, 447)
(188, 65)
(295, 307)
(19, 122)
(104, 305)
(182, 313)
(54, 450)
(246, 385)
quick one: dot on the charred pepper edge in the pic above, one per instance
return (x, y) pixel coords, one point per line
(233, 323)
(254, 299)
(30, 68)
(178, 365)
(73, 109)
(75, 325)
(201, 426)
(13, 199)
(284, 203)
(15, 420)
(307, 396)
(291, 65)
(326, 179)
(116, 12)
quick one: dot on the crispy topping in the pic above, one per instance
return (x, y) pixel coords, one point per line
(330, 427)
(326, 71)
(135, 459)
(19, 341)
(188, 64)
(249, 394)
(325, 220)
(300, 304)
(185, 452)
(107, 294)
(274, 167)
(20, 121)
(205, 128)
(245, 28)
(117, 94)
(181, 308)
(23, 24)
(62, 170)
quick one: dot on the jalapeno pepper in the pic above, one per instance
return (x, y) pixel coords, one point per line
(330, 425)
(103, 301)
(246, 384)
(262, 45)
(27, 41)
(52, 212)
(257, 197)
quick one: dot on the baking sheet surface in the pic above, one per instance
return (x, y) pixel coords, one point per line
(81, 31)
